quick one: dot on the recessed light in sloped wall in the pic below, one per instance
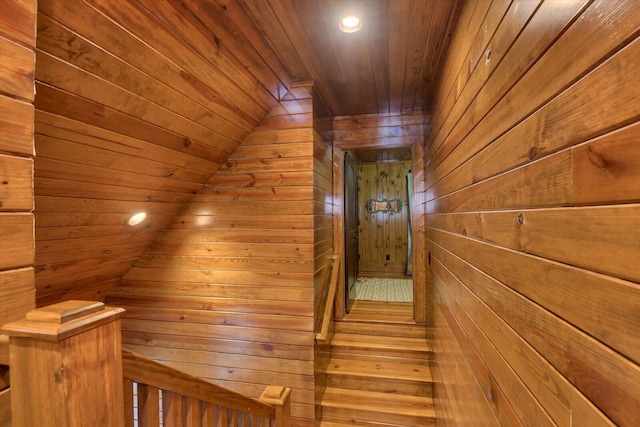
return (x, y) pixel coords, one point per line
(136, 218)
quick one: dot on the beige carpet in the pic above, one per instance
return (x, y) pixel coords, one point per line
(376, 289)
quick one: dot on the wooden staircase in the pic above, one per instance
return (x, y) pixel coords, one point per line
(379, 373)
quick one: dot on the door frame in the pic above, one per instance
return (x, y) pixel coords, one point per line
(419, 277)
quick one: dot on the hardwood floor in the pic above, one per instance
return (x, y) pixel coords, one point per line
(379, 372)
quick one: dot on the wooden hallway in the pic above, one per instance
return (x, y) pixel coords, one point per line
(379, 372)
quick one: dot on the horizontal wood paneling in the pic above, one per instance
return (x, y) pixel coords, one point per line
(228, 291)
(138, 104)
(17, 254)
(532, 216)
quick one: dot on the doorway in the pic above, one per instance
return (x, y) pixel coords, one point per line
(383, 232)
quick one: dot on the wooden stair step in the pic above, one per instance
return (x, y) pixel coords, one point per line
(383, 370)
(407, 330)
(385, 377)
(380, 345)
(373, 317)
(385, 329)
(359, 405)
(381, 307)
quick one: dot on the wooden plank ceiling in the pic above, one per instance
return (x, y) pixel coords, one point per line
(389, 66)
(139, 102)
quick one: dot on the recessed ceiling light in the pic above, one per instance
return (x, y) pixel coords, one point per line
(136, 218)
(350, 24)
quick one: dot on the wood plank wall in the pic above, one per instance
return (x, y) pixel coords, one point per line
(229, 291)
(532, 207)
(138, 103)
(17, 279)
(383, 234)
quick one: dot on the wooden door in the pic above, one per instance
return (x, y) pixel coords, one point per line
(350, 230)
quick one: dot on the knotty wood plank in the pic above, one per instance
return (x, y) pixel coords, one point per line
(16, 245)
(543, 183)
(249, 320)
(522, 357)
(231, 345)
(205, 29)
(88, 206)
(57, 73)
(267, 165)
(18, 21)
(17, 65)
(542, 29)
(61, 179)
(55, 254)
(602, 239)
(61, 43)
(258, 235)
(249, 179)
(220, 276)
(216, 290)
(567, 291)
(232, 250)
(116, 148)
(86, 21)
(526, 406)
(491, 43)
(232, 361)
(604, 169)
(270, 264)
(464, 376)
(16, 192)
(237, 86)
(17, 295)
(56, 101)
(601, 86)
(219, 332)
(69, 188)
(238, 305)
(16, 126)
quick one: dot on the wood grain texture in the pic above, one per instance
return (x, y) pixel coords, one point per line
(230, 292)
(531, 228)
(383, 237)
(138, 104)
(17, 281)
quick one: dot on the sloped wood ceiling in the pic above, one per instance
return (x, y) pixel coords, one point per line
(139, 102)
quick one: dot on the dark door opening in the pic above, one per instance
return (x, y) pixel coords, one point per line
(350, 230)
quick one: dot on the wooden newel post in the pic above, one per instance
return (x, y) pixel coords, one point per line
(279, 398)
(65, 362)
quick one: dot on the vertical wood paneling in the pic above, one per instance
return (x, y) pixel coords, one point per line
(383, 234)
(231, 290)
(532, 219)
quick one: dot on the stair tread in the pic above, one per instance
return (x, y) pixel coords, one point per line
(372, 317)
(379, 402)
(380, 369)
(380, 341)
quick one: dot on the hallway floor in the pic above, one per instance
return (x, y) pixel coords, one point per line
(384, 289)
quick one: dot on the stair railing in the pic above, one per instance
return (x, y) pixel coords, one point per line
(68, 368)
(330, 301)
(177, 398)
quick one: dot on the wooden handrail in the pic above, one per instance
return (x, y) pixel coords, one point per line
(331, 296)
(188, 397)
